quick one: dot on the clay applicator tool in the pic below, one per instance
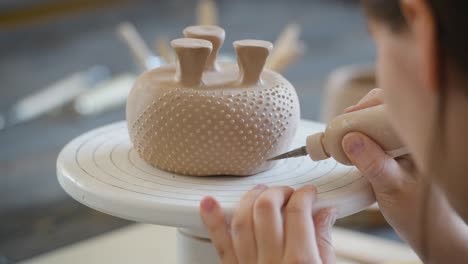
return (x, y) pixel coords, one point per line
(207, 13)
(287, 49)
(370, 121)
(163, 48)
(53, 97)
(140, 51)
(113, 93)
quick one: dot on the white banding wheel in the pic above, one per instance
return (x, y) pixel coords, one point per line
(101, 170)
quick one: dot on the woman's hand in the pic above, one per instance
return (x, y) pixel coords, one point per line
(271, 225)
(411, 205)
(398, 189)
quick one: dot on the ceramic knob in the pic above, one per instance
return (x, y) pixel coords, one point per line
(201, 117)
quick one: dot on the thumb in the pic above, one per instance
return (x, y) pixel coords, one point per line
(382, 171)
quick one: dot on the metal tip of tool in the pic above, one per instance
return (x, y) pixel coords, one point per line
(299, 152)
(280, 157)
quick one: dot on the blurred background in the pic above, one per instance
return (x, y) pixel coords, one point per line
(54, 54)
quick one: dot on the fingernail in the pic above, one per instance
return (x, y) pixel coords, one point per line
(208, 205)
(353, 145)
(349, 109)
(312, 188)
(260, 187)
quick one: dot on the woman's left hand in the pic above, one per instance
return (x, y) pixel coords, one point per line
(271, 225)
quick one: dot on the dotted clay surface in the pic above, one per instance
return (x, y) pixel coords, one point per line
(218, 128)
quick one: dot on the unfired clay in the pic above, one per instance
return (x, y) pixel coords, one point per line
(370, 121)
(202, 117)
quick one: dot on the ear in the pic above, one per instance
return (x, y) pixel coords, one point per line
(422, 25)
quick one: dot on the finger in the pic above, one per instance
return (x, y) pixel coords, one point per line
(268, 222)
(300, 243)
(242, 227)
(372, 95)
(373, 98)
(323, 223)
(215, 221)
(406, 162)
(382, 171)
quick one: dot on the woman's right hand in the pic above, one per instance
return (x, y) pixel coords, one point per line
(414, 207)
(397, 187)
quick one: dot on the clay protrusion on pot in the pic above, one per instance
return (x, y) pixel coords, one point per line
(213, 34)
(251, 57)
(192, 55)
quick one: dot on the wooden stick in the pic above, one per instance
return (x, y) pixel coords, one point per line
(207, 12)
(163, 49)
(284, 43)
(284, 60)
(287, 48)
(140, 51)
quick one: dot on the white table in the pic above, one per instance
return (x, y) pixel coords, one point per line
(144, 244)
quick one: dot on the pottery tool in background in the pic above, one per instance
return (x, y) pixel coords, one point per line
(142, 55)
(288, 48)
(107, 95)
(207, 13)
(54, 96)
(162, 47)
(113, 93)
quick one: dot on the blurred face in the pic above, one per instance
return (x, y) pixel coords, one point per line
(410, 106)
(407, 71)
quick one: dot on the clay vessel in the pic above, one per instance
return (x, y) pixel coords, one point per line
(201, 117)
(345, 87)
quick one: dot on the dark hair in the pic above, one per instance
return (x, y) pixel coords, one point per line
(450, 18)
(451, 22)
(388, 12)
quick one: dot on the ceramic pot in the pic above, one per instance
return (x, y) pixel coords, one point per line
(201, 117)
